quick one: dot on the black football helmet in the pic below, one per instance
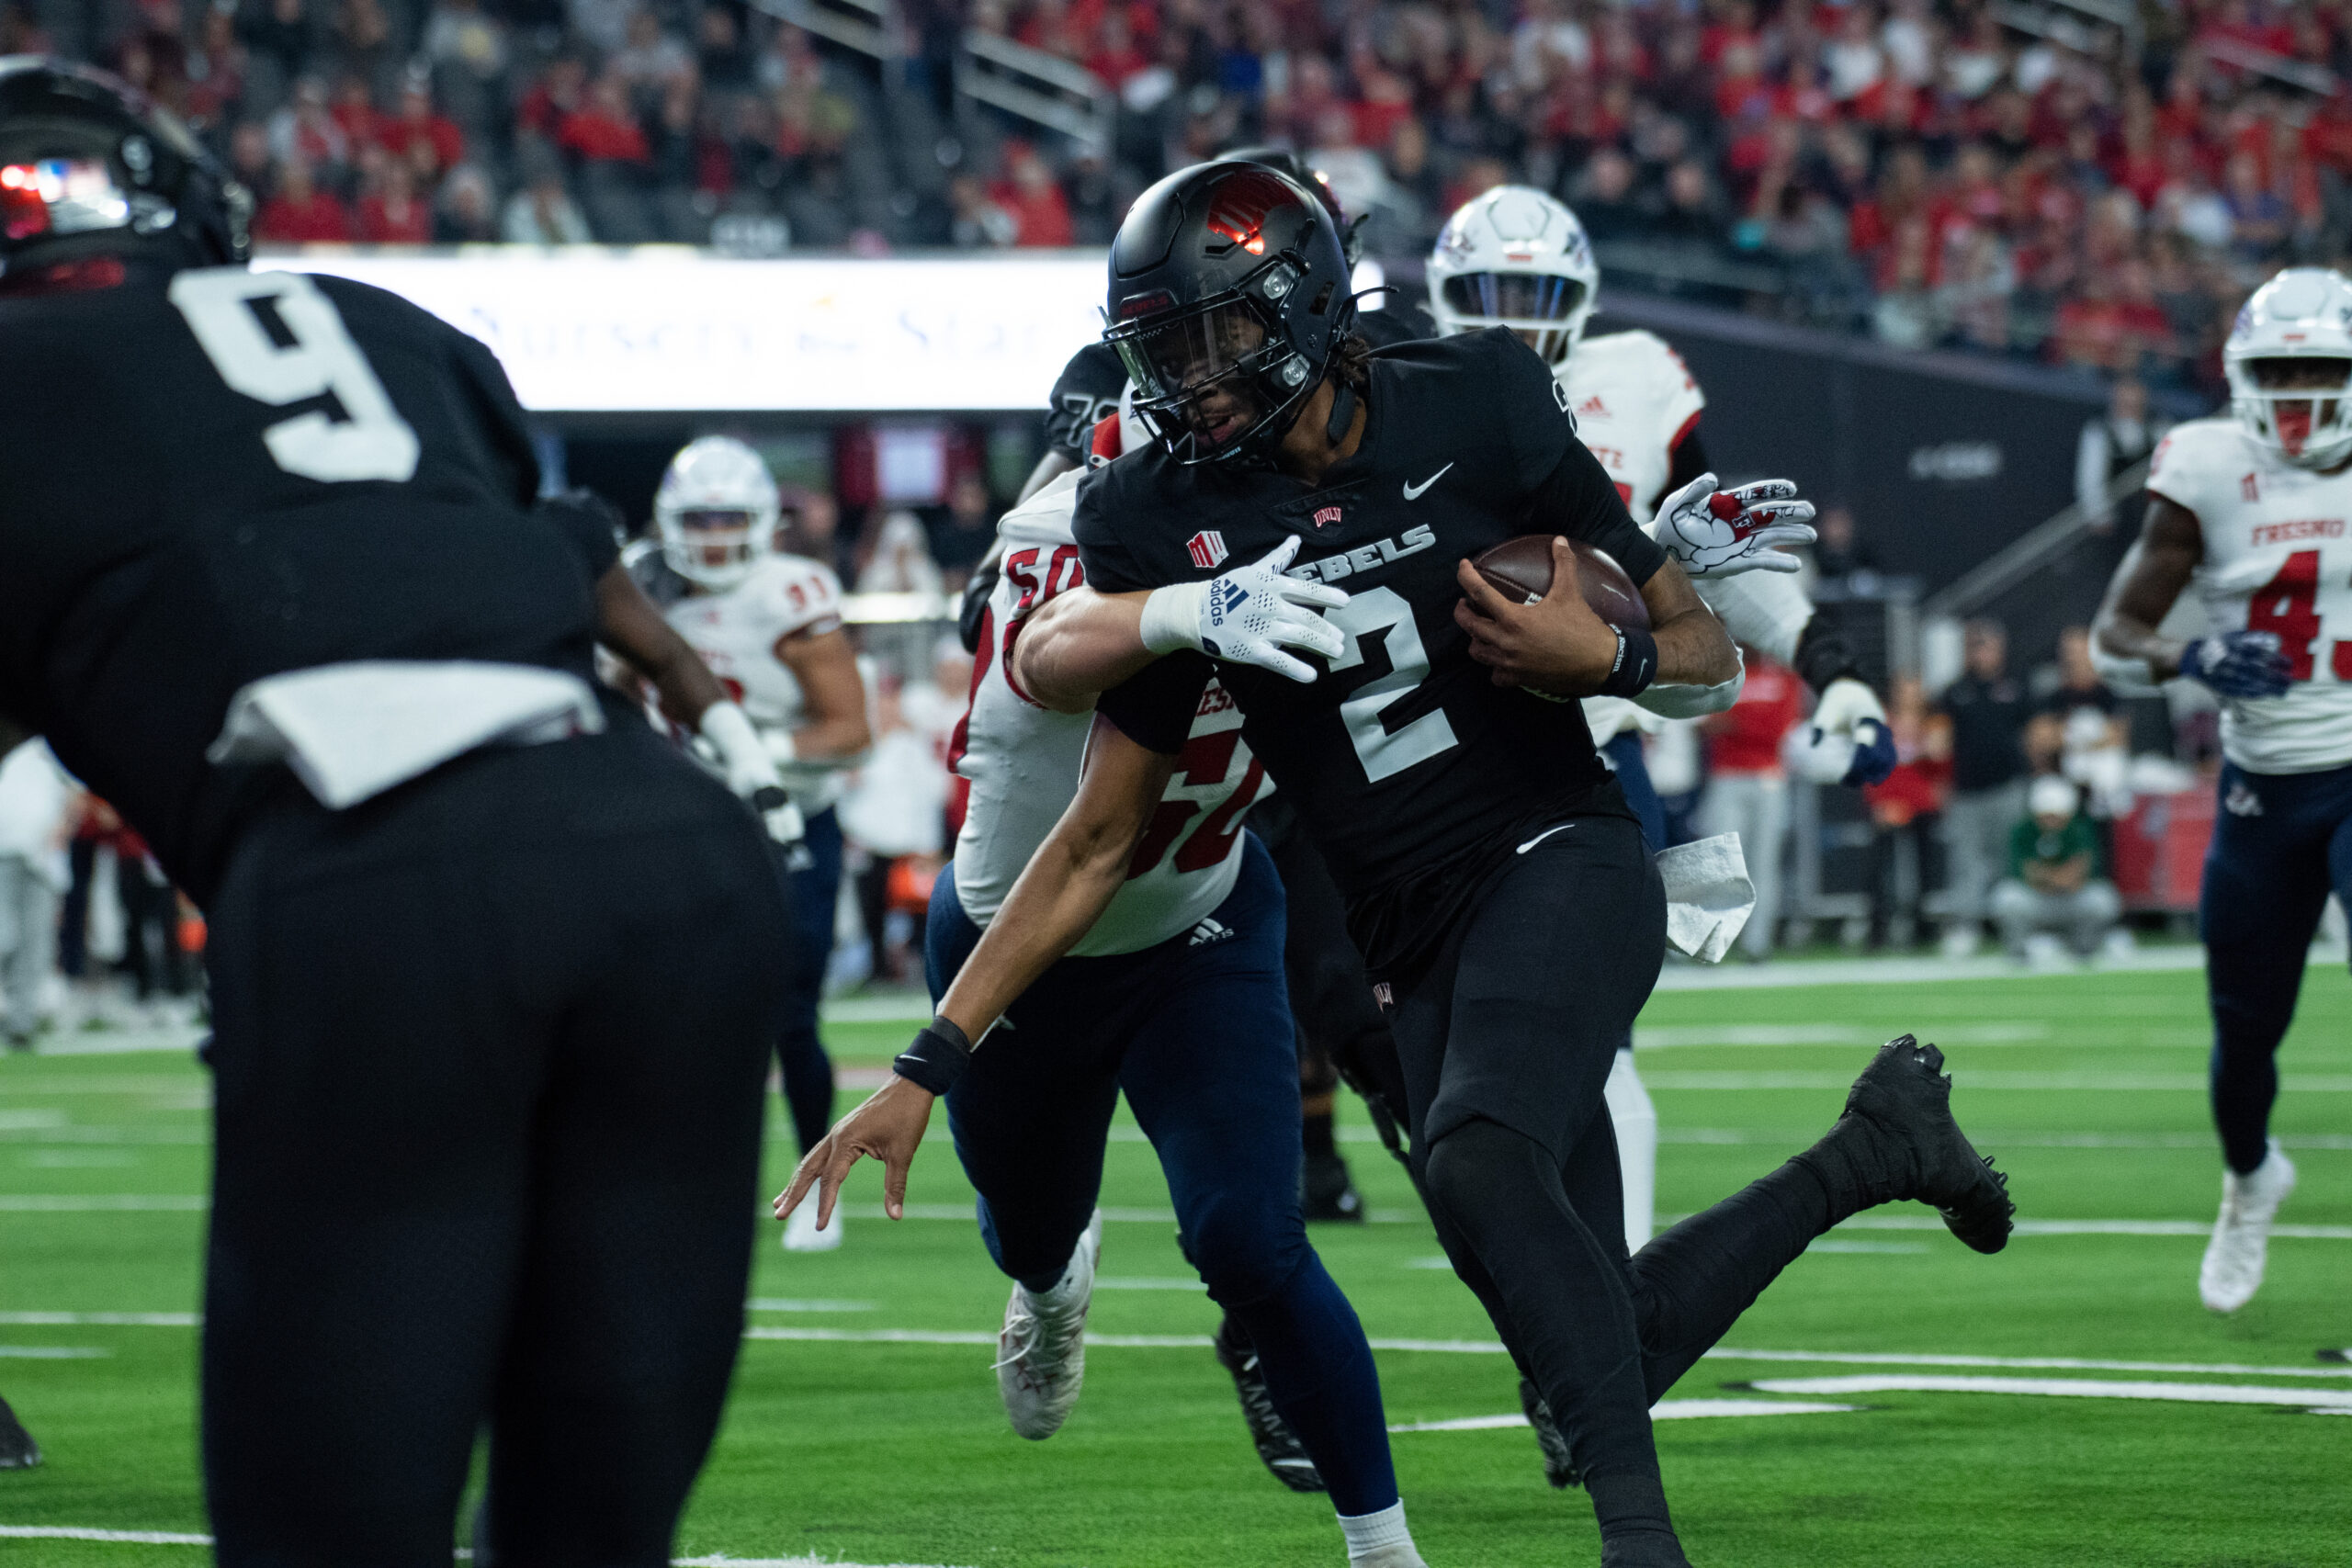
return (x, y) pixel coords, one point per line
(1229, 295)
(1283, 160)
(87, 164)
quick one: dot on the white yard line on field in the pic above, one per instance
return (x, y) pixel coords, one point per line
(2336, 1373)
(51, 1352)
(2063, 1388)
(174, 1538)
(1664, 1410)
(2173, 1083)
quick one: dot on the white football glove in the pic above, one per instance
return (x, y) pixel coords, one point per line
(1722, 533)
(1848, 741)
(1248, 616)
(750, 770)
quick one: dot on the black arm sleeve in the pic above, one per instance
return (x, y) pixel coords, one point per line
(1154, 706)
(1686, 463)
(590, 523)
(1824, 655)
(1579, 500)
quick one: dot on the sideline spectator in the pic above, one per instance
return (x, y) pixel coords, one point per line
(1907, 815)
(1748, 789)
(2054, 883)
(392, 214)
(544, 213)
(1986, 711)
(961, 533)
(37, 811)
(300, 213)
(2113, 443)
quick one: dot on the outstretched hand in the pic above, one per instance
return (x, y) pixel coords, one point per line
(1724, 533)
(888, 1127)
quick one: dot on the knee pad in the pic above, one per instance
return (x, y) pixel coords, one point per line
(1477, 1164)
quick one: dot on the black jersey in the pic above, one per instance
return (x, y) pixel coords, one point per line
(1089, 389)
(218, 475)
(1408, 763)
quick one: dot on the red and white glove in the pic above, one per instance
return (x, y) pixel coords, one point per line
(1724, 533)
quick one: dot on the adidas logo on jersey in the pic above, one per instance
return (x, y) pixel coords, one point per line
(1592, 408)
(1209, 931)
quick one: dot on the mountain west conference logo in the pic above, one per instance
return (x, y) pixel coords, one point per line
(1207, 548)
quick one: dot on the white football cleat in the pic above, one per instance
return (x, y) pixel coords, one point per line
(2241, 1243)
(800, 1231)
(1041, 1352)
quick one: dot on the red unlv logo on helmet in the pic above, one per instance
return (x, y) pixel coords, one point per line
(1239, 209)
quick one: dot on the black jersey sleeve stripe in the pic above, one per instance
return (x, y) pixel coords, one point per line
(1155, 708)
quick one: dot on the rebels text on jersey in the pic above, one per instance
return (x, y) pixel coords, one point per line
(221, 475)
(1023, 761)
(1408, 763)
(2277, 559)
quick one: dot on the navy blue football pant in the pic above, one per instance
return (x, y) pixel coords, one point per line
(1623, 754)
(2281, 841)
(1199, 1037)
(811, 893)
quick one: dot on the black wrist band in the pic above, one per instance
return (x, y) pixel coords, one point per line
(1637, 664)
(936, 1059)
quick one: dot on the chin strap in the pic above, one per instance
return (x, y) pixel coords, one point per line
(1344, 414)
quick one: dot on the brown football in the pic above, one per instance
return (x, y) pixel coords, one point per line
(1521, 570)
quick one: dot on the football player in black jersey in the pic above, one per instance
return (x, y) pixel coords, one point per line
(489, 1028)
(1497, 885)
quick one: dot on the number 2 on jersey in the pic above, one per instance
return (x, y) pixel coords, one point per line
(371, 441)
(1381, 751)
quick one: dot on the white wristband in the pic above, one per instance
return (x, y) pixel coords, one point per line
(781, 748)
(1171, 617)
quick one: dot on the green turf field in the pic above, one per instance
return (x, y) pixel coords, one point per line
(844, 1443)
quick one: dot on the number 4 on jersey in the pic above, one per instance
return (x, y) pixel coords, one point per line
(2287, 606)
(224, 310)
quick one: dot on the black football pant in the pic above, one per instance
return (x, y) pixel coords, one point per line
(489, 1053)
(1507, 1040)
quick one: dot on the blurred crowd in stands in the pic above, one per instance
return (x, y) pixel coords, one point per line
(2092, 182)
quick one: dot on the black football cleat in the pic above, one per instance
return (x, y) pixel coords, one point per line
(2336, 1353)
(18, 1449)
(1559, 1469)
(1905, 1098)
(1277, 1445)
(1327, 1192)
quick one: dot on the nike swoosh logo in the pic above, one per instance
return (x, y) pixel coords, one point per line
(1414, 492)
(1543, 835)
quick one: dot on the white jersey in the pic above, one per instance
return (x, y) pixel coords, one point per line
(2277, 558)
(735, 631)
(1023, 761)
(1633, 400)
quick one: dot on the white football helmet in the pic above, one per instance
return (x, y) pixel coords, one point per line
(716, 512)
(1515, 258)
(2303, 411)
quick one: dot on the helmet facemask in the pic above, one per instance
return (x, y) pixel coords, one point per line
(715, 547)
(2300, 405)
(1217, 382)
(1545, 309)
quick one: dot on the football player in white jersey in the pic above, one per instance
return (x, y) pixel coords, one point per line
(769, 626)
(1173, 994)
(2252, 511)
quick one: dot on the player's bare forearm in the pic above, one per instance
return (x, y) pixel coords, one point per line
(1079, 645)
(628, 623)
(2155, 570)
(1068, 881)
(1693, 648)
(832, 691)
